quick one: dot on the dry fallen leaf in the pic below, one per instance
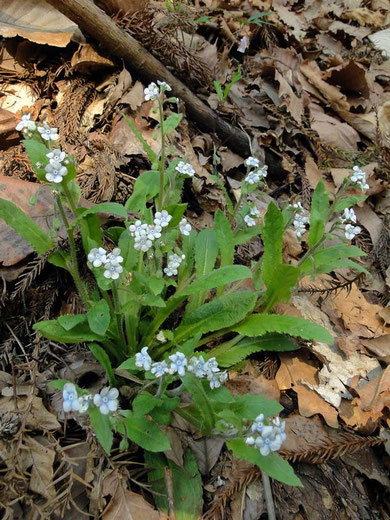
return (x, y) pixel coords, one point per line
(125, 504)
(42, 460)
(36, 21)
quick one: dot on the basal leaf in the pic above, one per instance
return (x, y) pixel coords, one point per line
(225, 238)
(51, 329)
(272, 235)
(222, 276)
(318, 214)
(145, 433)
(260, 324)
(25, 226)
(218, 314)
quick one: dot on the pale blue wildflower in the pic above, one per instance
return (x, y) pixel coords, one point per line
(107, 400)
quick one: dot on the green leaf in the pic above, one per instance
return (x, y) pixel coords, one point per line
(25, 227)
(69, 321)
(236, 353)
(187, 485)
(206, 252)
(318, 214)
(260, 324)
(218, 90)
(51, 329)
(152, 155)
(91, 229)
(272, 235)
(171, 122)
(348, 202)
(58, 384)
(244, 235)
(273, 464)
(102, 428)
(145, 433)
(218, 314)
(336, 253)
(99, 317)
(162, 412)
(105, 207)
(102, 356)
(249, 406)
(218, 277)
(144, 403)
(129, 254)
(36, 152)
(146, 187)
(339, 264)
(284, 279)
(194, 386)
(225, 238)
(60, 259)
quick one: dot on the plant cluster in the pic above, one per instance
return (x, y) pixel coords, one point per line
(168, 312)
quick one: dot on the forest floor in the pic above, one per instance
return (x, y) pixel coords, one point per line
(314, 94)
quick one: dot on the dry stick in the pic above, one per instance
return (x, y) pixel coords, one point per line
(119, 44)
(268, 496)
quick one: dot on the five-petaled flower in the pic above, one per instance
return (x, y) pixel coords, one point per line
(162, 218)
(179, 363)
(55, 172)
(72, 402)
(185, 227)
(142, 359)
(107, 400)
(97, 256)
(48, 133)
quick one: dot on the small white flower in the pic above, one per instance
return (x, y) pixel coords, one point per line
(263, 171)
(107, 400)
(159, 368)
(243, 45)
(164, 87)
(137, 227)
(252, 162)
(212, 366)
(55, 172)
(351, 231)
(142, 243)
(298, 207)
(252, 178)
(197, 366)
(85, 401)
(48, 133)
(185, 227)
(151, 92)
(153, 232)
(250, 441)
(249, 221)
(56, 155)
(26, 123)
(185, 169)
(162, 218)
(358, 177)
(174, 262)
(71, 402)
(97, 256)
(143, 360)
(299, 223)
(178, 365)
(114, 258)
(348, 216)
(255, 212)
(217, 379)
(161, 337)
(112, 271)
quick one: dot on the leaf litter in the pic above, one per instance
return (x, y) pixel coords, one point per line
(315, 96)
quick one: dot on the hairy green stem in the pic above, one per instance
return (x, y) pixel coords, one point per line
(161, 162)
(74, 268)
(118, 319)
